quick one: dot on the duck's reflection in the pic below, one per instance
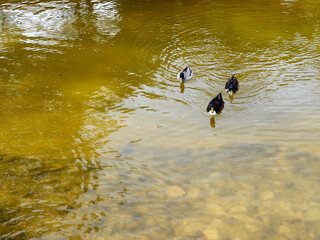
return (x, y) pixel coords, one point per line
(231, 98)
(182, 87)
(212, 122)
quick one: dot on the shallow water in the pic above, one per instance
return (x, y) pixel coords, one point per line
(100, 141)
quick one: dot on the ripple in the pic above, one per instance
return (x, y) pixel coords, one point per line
(117, 147)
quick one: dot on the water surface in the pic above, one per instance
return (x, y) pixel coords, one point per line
(100, 141)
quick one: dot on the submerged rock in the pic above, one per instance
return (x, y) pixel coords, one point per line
(211, 233)
(284, 230)
(247, 219)
(194, 192)
(252, 227)
(192, 226)
(142, 209)
(312, 214)
(198, 235)
(174, 192)
(215, 208)
(267, 195)
(239, 209)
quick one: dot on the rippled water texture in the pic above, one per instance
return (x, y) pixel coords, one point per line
(98, 139)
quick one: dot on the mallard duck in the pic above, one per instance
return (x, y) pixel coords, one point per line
(185, 75)
(232, 86)
(216, 105)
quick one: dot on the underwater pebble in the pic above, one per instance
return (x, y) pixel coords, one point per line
(313, 214)
(142, 209)
(288, 209)
(284, 230)
(247, 186)
(267, 195)
(132, 225)
(199, 235)
(143, 238)
(252, 227)
(212, 207)
(174, 192)
(216, 223)
(285, 205)
(211, 233)
(211, 192)
(216, 175)
(156, 220)
(192, 226)
(277, 183)
(150, 222)
(239, 209)
(265, 219)
(246, 219)
(194, 192)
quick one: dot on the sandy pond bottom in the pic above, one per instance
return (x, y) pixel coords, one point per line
(256, 191)
(98, 140)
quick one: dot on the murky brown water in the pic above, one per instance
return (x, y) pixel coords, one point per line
(100, 141)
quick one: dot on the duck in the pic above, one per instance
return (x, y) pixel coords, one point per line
(185, 75)
(232, 86)
(216, 105)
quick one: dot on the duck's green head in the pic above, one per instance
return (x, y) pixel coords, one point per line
(181, 77)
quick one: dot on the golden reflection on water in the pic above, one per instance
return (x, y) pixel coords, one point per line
(212, 122)
(100, 141)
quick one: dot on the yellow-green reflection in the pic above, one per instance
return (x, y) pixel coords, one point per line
(99, 139)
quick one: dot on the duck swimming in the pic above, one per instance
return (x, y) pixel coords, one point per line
(216, 105)
(232, 86)
(185, 75)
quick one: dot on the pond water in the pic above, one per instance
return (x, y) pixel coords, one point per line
(98, 139)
